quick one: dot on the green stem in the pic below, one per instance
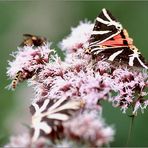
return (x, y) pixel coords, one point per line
(130, 129)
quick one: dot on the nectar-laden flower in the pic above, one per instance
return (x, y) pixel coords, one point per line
(89, 128)
(71, 80)
(22, 140)
(28, 61)
(79, 35)
(130, 87)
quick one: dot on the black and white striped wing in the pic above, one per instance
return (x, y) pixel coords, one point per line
(47, 116)
(106, 27)
(125, 55)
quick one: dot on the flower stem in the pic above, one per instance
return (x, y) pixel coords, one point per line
(130, 129)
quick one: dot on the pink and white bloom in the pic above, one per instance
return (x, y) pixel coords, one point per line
(22, 140)
(78, 37)
(90, 128)
(28, 58)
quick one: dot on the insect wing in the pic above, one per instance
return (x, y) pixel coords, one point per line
(47, 116)
(106, 27)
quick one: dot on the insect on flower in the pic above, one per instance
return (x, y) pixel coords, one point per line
(47, 116)
(33, 40)
(21, 76)
(111, 40)
(16, 80)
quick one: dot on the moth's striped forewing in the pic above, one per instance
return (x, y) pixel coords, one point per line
(48, 115)
(110, 40)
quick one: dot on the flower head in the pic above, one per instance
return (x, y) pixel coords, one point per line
(91, 129)
(19, 141)
(79, 35)
(28, 61)
(130, 86)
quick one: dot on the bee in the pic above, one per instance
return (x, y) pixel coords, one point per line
(16, 80)
(33, 40)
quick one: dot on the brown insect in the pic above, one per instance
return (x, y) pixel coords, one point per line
(33, 40)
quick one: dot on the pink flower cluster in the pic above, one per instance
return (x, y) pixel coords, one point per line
(97, 132)
(68, 94)
(128, 83)
(28, 61)
(78, 37)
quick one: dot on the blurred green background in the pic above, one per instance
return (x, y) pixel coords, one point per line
(53, 19)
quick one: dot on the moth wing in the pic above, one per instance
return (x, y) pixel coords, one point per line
(106, 26)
